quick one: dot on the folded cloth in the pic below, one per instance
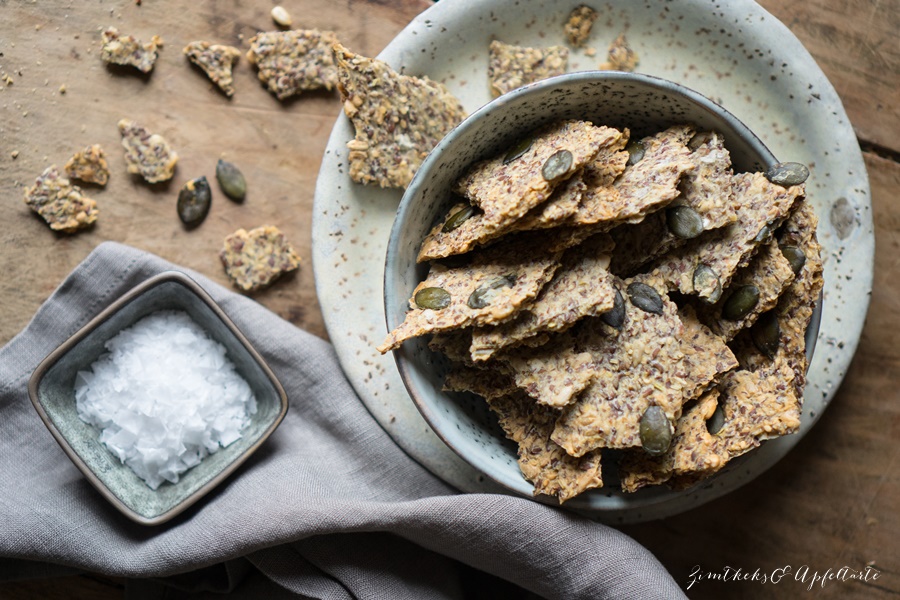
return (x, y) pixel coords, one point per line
(329, 507)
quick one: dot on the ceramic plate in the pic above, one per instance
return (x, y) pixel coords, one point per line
(735, 53)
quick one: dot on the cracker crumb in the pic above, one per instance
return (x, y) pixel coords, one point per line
(61, 204)
(254, 259)
(292, 62)
(511, 67)
(147, 154)
(216, 61)
(126, 50)
(621, 57)
(89, 165)
(578, 27)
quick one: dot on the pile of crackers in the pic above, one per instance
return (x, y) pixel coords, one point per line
(586, 282)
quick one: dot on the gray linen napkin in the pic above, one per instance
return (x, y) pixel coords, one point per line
(329, 507)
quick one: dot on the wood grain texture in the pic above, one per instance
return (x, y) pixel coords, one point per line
(834, 501)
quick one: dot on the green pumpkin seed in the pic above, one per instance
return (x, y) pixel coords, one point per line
(706, 283)
(716, 421)
(795, 256)
(557, 165)
(521, 147)
(231, 180)
(684, 222)
(699, 139)
(656, 431)
(434, 298)
(635, 150)
(645, 298)
(483, 295)
(787, 174)
(458, 218)
(740, 302)
(763, 233)
(194, 200)
(615, 317)
(766, 334)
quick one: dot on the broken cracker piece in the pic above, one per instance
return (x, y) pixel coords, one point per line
(89, 165)
(511, 67)
(292, 62)
(620, 56)
(398, 119)
(553, 374)
(147, 155)
(126, 50)
(216, 60)
(254, 259)
(542, 462)
(578, 27)
(59, 203)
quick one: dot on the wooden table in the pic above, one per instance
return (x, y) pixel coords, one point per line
(834, 503)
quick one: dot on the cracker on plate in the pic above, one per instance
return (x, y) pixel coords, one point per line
(256, 258)
(147, 154)
(296, 61)
(89, 165)
(620, 56)
(578, 26)
(125, 50)
(59, 203)
(398, 119)
(511, 67)
(216, 60)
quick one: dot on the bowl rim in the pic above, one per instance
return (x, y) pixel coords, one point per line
(750, 138)
(51, 359)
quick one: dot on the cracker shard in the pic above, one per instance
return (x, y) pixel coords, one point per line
(89, 165)
(126, 50)
(147, 154)
(553, 374)
(398, 119)
(620, 56)
(542, 462)
(59, 203)
(656, 359)
(502, 276)
(511, 67)
(292, 62)
(581, 287)
(762, 206)
(507, 191)
(216, 60)
(578, 27)
(256, 258)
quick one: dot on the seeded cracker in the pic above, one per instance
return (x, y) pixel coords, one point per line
(89, 165)
(664, 360)
(216, 61)
(643, 187)
(769, 272)
(620, 57)
(126, 50)
(511, 67)
(505, 276)
(291, 62)
(477, 230)
(398, 119)
(506, 192)
(546, 465)
(60, 203)
(581, 287)
(487, 384)
(578, 27)
(553, 374)
(147, 155)
(256, 258)
(762, 206)
(706, 190)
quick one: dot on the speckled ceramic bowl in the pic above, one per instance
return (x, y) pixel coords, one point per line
(52, 392)
(645, 105)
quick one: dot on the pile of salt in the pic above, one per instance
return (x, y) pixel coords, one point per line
(164, 397)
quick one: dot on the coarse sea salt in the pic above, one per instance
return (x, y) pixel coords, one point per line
(164, 397)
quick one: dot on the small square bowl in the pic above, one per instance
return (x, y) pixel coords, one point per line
(52, 392)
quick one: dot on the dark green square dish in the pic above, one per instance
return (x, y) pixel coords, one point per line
(52, 392)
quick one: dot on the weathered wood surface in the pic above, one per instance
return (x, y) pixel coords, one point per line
(834, 502)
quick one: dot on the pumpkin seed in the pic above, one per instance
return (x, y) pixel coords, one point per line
(483, 295)
(706, 282)
(645, 298)
(699, 139)
(684, 222)
(521, 147)
(656, 431)
(231, 180)
(766, 334)
(716, 421)
(795, 256)
(194, 200)
(763, 233)
(458, 218)
(787, 174)
(740, 302)
(635, 150)
(615, 317)
(557, 165)
(434, 298)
